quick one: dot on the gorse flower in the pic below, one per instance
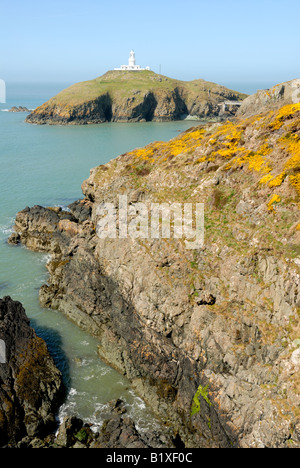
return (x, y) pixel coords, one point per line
(227, 142)
(275, 199)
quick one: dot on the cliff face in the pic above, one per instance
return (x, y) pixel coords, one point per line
(133, 97)
(208, 337)
(274, 98)
(31, 387)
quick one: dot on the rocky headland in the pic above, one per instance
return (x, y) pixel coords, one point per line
(123, 96)
(273, 98)
(210, 337)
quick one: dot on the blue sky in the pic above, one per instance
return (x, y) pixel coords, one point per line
(218, 40)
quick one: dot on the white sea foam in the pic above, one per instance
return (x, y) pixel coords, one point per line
(45, 259)
(65, 410)
(89, 377)
(121, 383)
(97, 419)
(84, 343)
(63, 207)
(7, 228)
(105, 371)
(83, 362)
(138, 401)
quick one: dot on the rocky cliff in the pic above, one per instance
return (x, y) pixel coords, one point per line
(31, 391)
(31, 388)
(209, 337)
(273, 98)
(132, 97)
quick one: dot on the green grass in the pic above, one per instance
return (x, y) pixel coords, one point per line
(121, 84)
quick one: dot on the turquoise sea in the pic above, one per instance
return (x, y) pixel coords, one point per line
(46, 165)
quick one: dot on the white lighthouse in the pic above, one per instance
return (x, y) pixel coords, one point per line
(132, 61)
(132, 66)
(2, 92)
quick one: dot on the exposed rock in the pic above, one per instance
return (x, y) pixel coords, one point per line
(19, 109)
(274, 98)
(68, 429)
(119, 432)
(81, 210)
(14, 239)
(31, 387)
(36, 227)
(208, 337)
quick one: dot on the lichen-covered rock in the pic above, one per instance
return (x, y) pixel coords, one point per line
(31, 388)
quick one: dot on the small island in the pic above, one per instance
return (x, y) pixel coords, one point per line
(135, 94)
(19, 109)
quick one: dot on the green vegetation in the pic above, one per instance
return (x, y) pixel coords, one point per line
(82, 435)
(196, 407)
(121, 84)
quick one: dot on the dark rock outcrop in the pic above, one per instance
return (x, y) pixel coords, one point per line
(31, 388)
(19, 109)
(37, 227)
(118, 431)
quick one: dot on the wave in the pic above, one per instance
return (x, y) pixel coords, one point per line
(7, 110)
(45, 258)
(89, 377)
(7, 228)
(84, 343)
(63, 207)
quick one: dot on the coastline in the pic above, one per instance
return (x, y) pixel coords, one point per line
(180, 342)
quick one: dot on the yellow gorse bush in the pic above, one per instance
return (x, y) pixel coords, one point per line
(277, 181)
(226, 142)
(188, 142)
(284, 113)
(291, 144)
(275, 199)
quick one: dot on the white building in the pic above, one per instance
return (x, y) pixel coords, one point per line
(2, 92)
(132, 64)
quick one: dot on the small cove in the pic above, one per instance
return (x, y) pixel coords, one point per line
(46, 165)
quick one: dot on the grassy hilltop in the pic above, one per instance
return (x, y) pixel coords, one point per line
(133, 96)
(119, 84)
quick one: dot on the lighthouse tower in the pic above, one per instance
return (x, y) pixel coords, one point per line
(132, 61)
(132, 66)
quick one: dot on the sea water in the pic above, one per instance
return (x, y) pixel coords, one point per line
(46, 165)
